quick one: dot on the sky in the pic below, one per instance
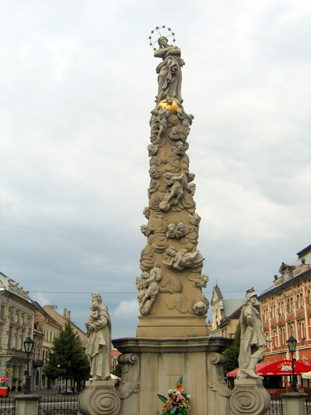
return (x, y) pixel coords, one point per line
(78, 83)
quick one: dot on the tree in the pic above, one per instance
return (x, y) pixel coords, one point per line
(233, 352)
(67, 358)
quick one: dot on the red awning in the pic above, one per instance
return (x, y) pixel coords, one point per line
(279, 368)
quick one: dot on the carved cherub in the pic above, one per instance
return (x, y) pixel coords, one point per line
(200, 308)
(175, 193)
(174, 134)
(151, 288)
(190, 177)
(183, 259)
(154, 172)
(202, 281)
(146, 212)
(152, 149)
(195, 219)
(145, 230)
(154, 185)
(181, 230)
(192, 188)
(184, 118)
(180, 148)
(170, 233)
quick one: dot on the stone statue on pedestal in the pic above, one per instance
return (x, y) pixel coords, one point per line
(253, 340)
(169, 70)
(249, 396)
(98, 330)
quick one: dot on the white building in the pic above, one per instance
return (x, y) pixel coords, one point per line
(16, 324)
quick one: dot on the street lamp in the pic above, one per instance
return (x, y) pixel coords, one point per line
(291, 343)
(28, 346)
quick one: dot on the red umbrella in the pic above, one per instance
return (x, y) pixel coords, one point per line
(283, 367)
(279, 368)
(4, 379)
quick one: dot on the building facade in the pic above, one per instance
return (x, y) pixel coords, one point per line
(63, 319)
(16, 324)
(226, 314)
(286, 309)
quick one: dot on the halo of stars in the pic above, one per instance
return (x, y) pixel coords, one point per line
(161, 31)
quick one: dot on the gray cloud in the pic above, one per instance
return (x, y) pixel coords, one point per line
(78, 85)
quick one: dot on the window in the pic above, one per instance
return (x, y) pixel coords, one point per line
(9, 337)
(2, 308)
(301, 330)
(282, 336)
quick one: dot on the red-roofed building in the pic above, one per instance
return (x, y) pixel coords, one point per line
(286, 309)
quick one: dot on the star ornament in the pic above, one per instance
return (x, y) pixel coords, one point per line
(159, 31)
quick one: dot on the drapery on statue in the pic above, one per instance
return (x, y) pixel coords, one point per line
(98, 347)
(253, 340)
(169, 70)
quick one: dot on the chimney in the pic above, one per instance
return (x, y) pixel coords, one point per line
(68, 314)
(65, 313)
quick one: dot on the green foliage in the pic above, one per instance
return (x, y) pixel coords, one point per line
(162, 398)
(118, 371)
(67, 358)
(233, 352)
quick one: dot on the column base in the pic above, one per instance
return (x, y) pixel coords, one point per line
(152, 366)
(249, 397)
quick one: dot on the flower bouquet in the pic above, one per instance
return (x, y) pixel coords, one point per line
(177, 402)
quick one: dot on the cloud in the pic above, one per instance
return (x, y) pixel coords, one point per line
(127, 310)
(78, 86)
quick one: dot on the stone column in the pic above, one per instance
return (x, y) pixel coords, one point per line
(171, 301)
(294, 403)
(27, 404)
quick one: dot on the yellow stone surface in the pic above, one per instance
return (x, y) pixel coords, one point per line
(170, 108)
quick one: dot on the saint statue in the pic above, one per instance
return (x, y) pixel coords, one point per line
(253, 340)
(98, 347)
(169, 70)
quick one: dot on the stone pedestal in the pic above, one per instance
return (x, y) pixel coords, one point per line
(99, 398)
(27, 404)
(153, 365)
(249, 397)
(294, 403)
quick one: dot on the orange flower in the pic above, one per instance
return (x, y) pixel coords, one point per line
(179, 387)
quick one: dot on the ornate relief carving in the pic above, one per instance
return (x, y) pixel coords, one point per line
(178, 302)
(130, 372)
(99, 400)
(146, 258)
